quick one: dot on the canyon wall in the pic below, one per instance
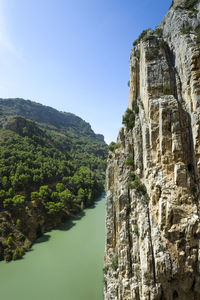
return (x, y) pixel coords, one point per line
(153, 191)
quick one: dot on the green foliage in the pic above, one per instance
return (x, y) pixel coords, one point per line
(66, 197)
(137, 54)
(115, 262)
(139, 187)
(186, 29)
(4, 228)
(18, 253)
(146, 197)
(113, 146)
(19, 224)
(128, 208)
(18, 202)
(35, 196)
(197, 32)
(10, 240)
(135, 108)
(129, 119)
(82, 195)
(190, 4)
(60, 187)
(130, 185)
(152, 53)
(54, 208)
(105, 269)
(166, 89)
(55, 196)
(159, 32)
(129, 162)
(45, 193)
(8, 254)
(142, 35)
(135, 228)
(131, 176)
(129, 83)
(21, 237)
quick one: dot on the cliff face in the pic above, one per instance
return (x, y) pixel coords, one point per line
(153, 228)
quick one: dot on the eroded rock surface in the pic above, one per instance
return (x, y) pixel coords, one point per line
(152, 223)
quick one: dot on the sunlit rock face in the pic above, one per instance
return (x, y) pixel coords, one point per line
(153, 217)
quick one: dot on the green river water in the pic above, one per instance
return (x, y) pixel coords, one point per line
(64, 264)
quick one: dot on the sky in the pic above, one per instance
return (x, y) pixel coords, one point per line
(73, 55)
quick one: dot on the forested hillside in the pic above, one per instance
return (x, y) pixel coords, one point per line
(51, 166)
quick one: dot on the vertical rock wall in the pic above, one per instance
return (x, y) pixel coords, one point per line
(153, 193)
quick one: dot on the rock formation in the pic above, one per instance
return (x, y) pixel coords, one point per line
(153, 191)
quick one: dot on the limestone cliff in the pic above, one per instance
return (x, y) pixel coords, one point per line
(153, 191)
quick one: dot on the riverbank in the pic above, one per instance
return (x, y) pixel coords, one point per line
(67, 266)
(19, 229)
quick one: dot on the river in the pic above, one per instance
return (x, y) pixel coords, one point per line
(64, 264)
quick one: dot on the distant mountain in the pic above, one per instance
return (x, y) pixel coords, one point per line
(52, 165)
(48, 117)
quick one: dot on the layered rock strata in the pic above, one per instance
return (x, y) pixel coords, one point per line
(152, 222)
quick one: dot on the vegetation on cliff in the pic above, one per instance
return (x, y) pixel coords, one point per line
(52, 165)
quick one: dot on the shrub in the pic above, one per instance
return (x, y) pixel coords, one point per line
(132, 176)
(197, 32)
(166, 89)
(139, 187)
(142, 35)
(129, 119)
(10, 240)
(130, 185)
(105, 269)
(21, 237)
(186, 29)
(136, 108)
(4, 228)
(128, 208)
(146, 197)
(18, 224)
(113, 146)
(129, 83)
(18, 253)
(152, 53)
(137, 54)
(159, 32)
(190, 3)
(135, 228)
(129, 162)
(115, 262)
(8, 254)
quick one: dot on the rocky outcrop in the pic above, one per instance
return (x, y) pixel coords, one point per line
(152, 223)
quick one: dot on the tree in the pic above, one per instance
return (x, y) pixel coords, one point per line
(66, 197)
(35, 196)
(45, 192)
(54, 208)
(60, 187)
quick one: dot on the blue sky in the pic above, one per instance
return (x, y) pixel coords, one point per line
(73, 55)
